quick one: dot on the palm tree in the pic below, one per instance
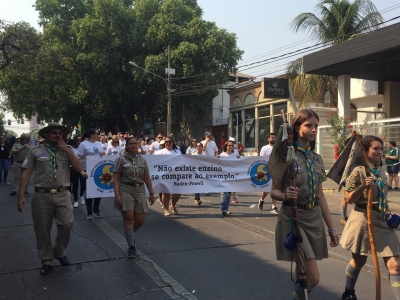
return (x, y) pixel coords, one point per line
(340, 21)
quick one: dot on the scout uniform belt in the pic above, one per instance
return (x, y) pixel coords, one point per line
(133, 183)
(51, 191)
(306, 206)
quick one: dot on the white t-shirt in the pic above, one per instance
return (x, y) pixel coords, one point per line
(165, 151)
(144, 149)
(190, 150)
(224, 154)
(210, 149)
(266, 151)
(87, 148)
(202, 153)
(122, 143)
(105, 146)
(154, 147)
(111, 150)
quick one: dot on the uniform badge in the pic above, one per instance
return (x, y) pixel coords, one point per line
(42, 154)
(95, 149)
(315, 158)
(298, 178)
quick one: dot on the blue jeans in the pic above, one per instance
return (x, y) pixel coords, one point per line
(225, 199)
(4, 168)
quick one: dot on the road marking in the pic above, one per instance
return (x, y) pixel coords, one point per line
(159, 276)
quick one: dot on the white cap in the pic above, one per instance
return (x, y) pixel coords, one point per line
(231, 139)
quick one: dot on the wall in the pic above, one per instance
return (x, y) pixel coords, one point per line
(361, 88)
(220, 108)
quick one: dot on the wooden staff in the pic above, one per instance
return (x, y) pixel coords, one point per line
(299, 239)
(369, 221)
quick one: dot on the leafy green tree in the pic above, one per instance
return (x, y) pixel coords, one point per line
(339, 20)
(84, 66)
(2, 123)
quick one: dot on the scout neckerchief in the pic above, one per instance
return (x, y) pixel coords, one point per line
(134, 166)
(381, 192)
(310, 171)
(53, 162)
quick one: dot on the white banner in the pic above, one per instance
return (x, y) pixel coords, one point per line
(186, 174)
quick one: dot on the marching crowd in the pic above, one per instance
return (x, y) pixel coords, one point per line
(57, 165)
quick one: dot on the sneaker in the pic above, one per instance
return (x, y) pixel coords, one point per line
(234, 200)
(159, 200)
(274, 210)
(390, 188)
(224, 213)
(131, 252)
(82, 200)
(13, 193)
(76, 204)
(89, 217)
(343, 221)
(98, 214)
(166, 213)
(349, 295)
(260, 204)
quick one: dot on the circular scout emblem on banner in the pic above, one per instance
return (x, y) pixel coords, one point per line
(103, 176)
(259, 174)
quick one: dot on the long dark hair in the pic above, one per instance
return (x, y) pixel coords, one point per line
(89, 133)
(225, 146)
(367, 140)
(299, 118)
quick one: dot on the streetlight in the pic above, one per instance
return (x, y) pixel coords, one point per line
(168, 71)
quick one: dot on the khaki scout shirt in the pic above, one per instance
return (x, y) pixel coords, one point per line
(124, 166)
(358, 176)
(38, 159)
(19, 156)
(301, 175)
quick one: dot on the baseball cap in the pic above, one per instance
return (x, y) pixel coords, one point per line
(231, 139)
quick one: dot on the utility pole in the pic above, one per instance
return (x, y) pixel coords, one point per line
(169, 95)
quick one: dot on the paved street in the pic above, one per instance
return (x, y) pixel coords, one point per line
(194, 255)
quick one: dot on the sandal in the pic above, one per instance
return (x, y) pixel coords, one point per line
(174, 210)
(166, 213)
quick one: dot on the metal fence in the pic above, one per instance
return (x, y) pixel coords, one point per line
(387, 129)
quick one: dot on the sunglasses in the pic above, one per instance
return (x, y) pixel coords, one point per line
(159, 137)
(194, 141)
(168, 142)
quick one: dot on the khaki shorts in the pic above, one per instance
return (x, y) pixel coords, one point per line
(133, 199)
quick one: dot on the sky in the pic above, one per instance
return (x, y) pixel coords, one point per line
(262, 27)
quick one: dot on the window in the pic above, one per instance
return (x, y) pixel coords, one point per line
(22, 121)
(9, 122)
(278, 121)
(237, 130)
(250, 123)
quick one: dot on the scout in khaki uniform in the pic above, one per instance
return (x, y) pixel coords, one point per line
(355, 237)
(52, 200)
(19, 150)
(131, 172)
(312, 208)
